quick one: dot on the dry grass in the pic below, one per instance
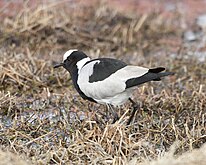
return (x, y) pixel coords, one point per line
(44, 119)
(11, 159)
(196, 156)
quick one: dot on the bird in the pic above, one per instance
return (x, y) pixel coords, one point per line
(107, 81)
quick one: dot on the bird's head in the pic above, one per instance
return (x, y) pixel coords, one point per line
(73, 58)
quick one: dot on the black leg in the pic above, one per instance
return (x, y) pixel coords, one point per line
(114, 113)
(135, 107)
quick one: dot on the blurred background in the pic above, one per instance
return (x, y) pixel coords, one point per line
(44, 121)
(187, 17)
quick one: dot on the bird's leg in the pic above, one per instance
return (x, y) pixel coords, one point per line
(114, 113)
(107, 112)
(135, 107)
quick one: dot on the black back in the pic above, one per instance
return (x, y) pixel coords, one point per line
(105, 68)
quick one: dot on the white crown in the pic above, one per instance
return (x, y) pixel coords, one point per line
(68, 53)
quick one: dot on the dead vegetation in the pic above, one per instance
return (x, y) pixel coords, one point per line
(44, 119)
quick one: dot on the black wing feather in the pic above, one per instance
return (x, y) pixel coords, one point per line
(105, 68)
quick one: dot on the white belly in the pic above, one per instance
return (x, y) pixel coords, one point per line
(118, 99)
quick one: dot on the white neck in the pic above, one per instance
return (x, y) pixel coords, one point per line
(81, 63)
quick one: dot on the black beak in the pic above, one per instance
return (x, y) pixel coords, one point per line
(58, 65)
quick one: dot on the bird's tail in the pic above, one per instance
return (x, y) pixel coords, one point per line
(152, 75)
(158, 73)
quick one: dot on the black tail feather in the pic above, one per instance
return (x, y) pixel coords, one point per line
(152, 75)
(157, 79)
(156, 70)
(163, 74)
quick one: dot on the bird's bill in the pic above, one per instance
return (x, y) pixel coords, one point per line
(58, 65)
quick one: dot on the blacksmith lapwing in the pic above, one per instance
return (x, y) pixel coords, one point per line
(106, 80)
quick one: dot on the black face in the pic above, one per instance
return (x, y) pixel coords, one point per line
(70, 63)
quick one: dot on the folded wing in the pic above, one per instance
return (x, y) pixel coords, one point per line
(104, 78)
